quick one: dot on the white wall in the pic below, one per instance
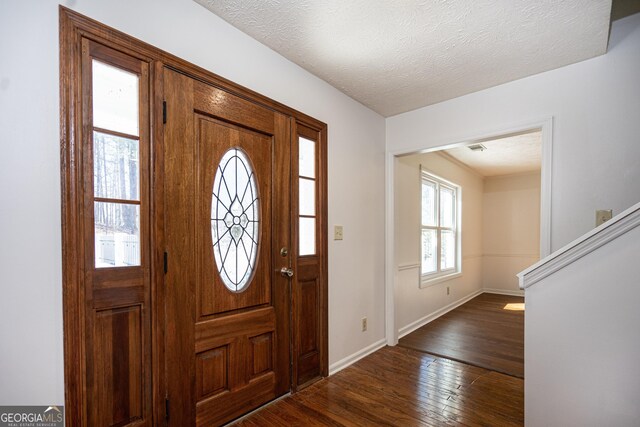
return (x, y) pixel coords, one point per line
(582, 341)
(31, 359)
(414, 305)
(595, 106)
(510, 229)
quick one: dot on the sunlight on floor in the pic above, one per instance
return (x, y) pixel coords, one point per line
(514, 306)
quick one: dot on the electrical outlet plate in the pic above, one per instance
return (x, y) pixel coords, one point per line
(603, 216)
(364, 324)
(337, 232)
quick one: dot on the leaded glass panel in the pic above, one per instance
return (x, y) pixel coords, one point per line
(235, 219)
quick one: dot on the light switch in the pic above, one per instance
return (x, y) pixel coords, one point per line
(603, 216)
(337, 232)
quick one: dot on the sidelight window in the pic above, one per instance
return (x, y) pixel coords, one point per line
(307, 196)
(116, 166)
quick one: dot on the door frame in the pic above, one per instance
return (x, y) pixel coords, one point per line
(73, 28)
(544, 125)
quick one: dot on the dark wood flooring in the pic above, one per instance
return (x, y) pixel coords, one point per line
(480, 332)
(398, 386)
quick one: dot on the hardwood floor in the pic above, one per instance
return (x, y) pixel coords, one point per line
(480, 332)
(398, 386)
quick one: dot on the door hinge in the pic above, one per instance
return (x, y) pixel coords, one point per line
(166, 263)
(166, 408)
(164, 112)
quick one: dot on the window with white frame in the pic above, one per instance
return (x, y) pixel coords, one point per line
(440, 246)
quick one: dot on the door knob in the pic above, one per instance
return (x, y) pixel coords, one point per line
(286, 272)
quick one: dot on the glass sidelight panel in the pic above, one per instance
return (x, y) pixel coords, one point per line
(307, 197)
(117, 234)
(115, 166)
(307, 231)
(115, 99)
(307, 157)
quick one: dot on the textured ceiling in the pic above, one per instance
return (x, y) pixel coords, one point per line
(504, 156)
(396, 56)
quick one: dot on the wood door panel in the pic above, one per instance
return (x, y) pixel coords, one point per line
(212, 371)
(124, 294)
(227, 352)
(117, 291)
(308, 323)
(117, 367)
(260, 354)
(226, 406)
(115, 287)
(215, 138)
(180, 278)
(216, 332)
(218, 103)
(308, 367)
(281, 237)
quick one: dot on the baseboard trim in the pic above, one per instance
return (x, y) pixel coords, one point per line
(433, 316)
(349, 360)
(353, 358)
(514, 293)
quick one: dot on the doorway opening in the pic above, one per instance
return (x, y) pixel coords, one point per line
(480, 179)
(467, 217)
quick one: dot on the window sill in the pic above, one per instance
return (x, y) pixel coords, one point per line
(426, 283)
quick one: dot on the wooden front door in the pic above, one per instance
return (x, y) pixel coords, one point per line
(227, 217)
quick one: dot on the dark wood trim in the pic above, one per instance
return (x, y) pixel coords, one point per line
(323, 219)
(72, 247)
(157, 246)
(73, 28)
(119, 201)
(115, 133)
(95, 30)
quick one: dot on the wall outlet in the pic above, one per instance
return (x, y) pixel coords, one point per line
(337, 232)
(603, 216)
(364, 324)
(448, 290)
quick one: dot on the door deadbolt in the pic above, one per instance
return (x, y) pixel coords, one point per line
(284, 252)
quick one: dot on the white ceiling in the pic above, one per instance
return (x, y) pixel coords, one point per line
(504, 156)
(396, 56)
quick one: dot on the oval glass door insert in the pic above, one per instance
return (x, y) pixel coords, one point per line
(235, 221)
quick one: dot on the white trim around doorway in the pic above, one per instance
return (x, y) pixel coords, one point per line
(546, 127)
